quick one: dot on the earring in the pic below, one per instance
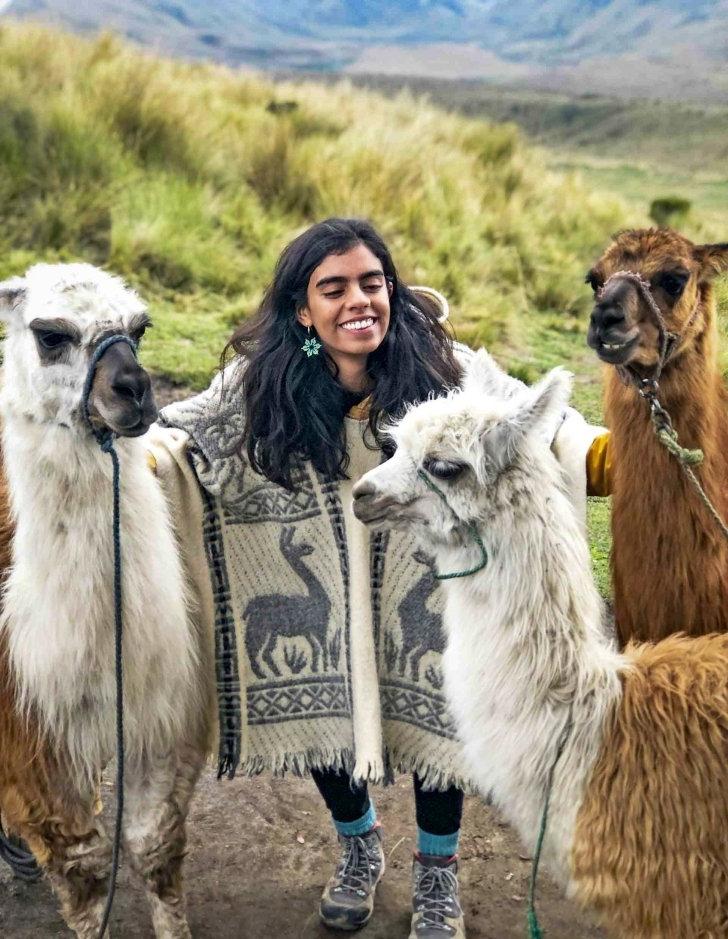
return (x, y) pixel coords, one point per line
(311, 346)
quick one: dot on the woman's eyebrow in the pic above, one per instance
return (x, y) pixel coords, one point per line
(338, 279)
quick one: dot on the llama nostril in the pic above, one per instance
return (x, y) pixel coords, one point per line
(363, 488)
(132, 386)
(608, 316)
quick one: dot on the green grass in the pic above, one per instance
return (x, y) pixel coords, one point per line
(180, 178)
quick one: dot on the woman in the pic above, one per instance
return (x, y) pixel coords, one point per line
(327, 643)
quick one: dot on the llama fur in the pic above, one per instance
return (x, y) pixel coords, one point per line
(669, 558)
(527, 652)
(57, 678)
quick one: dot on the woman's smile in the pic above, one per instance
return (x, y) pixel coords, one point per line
(361, 325)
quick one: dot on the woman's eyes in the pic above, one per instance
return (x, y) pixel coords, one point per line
(367, 288)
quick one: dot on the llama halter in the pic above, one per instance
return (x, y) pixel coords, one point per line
(472, 530)
(669, 341)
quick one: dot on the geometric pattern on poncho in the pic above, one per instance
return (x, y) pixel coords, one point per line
(292, 701)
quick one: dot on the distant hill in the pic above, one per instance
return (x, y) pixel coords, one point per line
(673, 48)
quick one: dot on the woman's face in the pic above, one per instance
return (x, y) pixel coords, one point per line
(347, 304)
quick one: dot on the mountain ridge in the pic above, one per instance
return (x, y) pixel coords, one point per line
(515, 37)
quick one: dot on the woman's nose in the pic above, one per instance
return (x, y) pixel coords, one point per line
(357, 297)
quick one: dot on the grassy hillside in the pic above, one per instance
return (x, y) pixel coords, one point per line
(179, 177)
(182, 178)
(688, 136)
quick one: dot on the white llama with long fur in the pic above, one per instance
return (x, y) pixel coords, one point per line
(639, 805)
(57, 687)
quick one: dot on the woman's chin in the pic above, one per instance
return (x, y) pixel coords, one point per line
(362, 343)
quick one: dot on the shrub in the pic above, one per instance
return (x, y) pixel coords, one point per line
(669, 211)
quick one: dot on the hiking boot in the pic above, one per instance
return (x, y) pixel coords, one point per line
(435, 898)
(348, 898)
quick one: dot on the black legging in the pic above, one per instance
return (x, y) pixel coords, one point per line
(439, 812)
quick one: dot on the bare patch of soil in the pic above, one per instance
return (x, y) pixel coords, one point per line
(260, 851)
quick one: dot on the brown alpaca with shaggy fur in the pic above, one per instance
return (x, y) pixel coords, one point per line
(649, 848)
(669, 558)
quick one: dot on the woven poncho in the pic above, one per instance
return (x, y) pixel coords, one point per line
(327, 638)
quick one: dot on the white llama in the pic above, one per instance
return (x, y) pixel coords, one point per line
(639, 806)
(57, 688)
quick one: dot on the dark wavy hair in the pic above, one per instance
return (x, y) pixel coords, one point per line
(294, 405)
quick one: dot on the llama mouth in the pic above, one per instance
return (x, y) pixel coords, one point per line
(616, 353)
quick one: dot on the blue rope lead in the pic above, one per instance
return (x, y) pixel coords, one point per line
(108, 447)
(534, 929)
(105, 440)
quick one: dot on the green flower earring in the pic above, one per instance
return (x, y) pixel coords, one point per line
(311, 346)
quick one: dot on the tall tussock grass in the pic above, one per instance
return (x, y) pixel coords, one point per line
(182, 178)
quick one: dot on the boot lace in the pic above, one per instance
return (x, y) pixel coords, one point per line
(356, 868)
(436, 899)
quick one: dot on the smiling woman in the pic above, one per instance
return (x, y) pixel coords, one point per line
(342, 679)
(381, 341)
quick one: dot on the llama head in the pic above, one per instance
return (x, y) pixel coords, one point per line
(623, 329)
(466, 445)
(55, 316)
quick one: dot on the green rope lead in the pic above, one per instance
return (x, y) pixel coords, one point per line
(668, 439)
(534, 929)
(473, 531)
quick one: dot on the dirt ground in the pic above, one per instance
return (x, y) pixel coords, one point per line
(261, 849)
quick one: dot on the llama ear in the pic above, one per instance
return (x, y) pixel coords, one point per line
(12, 296)
(544, 407)
(539, 412)
(484, 376)
(713, 259)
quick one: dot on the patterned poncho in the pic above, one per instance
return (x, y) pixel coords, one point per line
(327, 638)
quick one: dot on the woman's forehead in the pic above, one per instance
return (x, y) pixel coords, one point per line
(354, 263)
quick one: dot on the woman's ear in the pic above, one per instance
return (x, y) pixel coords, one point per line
(303, 316)
(390, 286)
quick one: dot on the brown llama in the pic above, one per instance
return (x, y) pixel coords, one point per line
(669, 557)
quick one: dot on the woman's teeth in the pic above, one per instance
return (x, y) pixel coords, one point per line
(356, 325)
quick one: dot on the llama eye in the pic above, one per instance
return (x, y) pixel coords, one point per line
(673, 283)
(443, 469)
(51, 341)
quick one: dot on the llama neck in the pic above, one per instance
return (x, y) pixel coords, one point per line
(58, 614)
(310, 581)
(654, 505)
(527, 649)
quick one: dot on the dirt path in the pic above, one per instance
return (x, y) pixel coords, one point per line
(250, 877)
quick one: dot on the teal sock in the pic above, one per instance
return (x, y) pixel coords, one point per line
(359, 826)
(439, 845)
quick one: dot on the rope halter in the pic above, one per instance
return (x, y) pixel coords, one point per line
(106, 436)
(669, 341)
